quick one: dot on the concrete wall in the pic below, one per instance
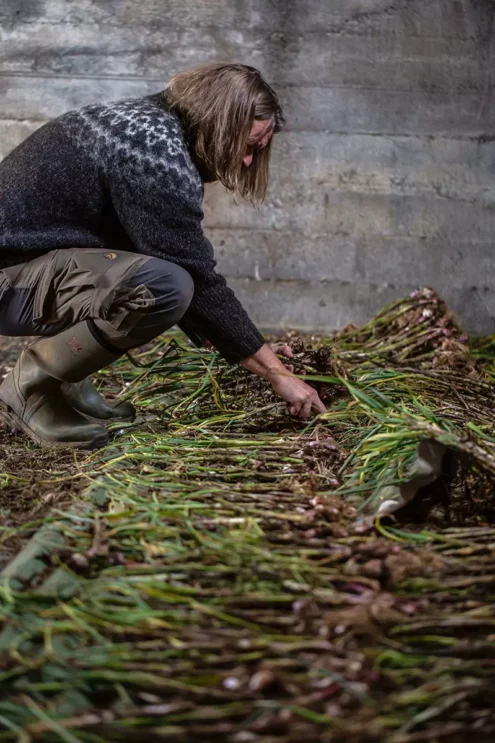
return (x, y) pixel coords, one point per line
(384, 179)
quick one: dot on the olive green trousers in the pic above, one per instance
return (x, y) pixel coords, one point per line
(127, 298)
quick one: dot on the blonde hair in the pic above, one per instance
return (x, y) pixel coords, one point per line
(218, 104)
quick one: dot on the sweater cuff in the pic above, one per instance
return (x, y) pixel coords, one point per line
(242, 351)
(232, 350)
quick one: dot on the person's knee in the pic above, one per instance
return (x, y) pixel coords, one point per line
(165, 292)
(172, 287)
(148, 303)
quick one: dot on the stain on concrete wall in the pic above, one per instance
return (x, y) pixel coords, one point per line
(384, 179)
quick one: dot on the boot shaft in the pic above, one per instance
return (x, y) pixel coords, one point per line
(31, 397)
(73, 354)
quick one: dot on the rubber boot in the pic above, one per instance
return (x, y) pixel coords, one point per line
(31, 398)
(85, 398)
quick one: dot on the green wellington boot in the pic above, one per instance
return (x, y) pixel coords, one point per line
(31, 398)
(85, 398)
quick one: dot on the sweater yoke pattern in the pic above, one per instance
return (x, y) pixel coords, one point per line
(152, 146)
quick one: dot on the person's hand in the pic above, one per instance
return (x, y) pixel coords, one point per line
(301, 398)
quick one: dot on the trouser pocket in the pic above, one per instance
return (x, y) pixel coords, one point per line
(94, 284)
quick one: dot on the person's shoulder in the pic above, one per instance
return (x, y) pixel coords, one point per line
(140, 134)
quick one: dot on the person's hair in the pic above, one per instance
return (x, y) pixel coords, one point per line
(218, 104)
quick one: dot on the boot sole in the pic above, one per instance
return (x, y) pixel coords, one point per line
(13, 420)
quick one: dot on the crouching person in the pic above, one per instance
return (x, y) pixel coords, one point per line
(101, 246)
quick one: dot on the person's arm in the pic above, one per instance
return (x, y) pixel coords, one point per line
(301, 398)
(164, 221)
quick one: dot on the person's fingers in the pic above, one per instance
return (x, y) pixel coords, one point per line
(301, 408)
(318, 406)
(305, 409)
(294, 409)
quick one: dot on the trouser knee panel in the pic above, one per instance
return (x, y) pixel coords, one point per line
(171, 289)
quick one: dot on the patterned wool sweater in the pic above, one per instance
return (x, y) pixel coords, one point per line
(121, 176)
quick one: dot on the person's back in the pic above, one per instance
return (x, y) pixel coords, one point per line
(64, 186)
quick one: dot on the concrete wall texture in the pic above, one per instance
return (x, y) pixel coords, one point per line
(384, 179)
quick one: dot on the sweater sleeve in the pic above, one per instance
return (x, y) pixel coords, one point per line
(165, 221)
